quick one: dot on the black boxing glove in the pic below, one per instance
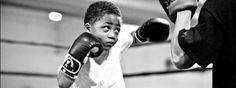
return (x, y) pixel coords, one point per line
(153, 30)
(78, 51)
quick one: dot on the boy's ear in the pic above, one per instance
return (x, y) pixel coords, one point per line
(87, 26)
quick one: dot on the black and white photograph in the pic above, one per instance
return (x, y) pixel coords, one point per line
(118, 44)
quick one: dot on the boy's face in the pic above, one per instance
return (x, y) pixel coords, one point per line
(107, 29)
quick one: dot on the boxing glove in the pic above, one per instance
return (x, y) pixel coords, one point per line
(153, 30)
(78, 51)
(171, 7)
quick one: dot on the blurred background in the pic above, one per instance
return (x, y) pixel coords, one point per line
(35, 36)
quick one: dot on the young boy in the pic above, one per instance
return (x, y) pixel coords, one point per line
(93, 61)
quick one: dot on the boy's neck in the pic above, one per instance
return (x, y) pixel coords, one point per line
(103, 57)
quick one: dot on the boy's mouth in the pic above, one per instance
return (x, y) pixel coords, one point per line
(109, 44)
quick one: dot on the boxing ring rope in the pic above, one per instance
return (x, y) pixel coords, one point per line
(125, 75)
(33, 43)
(10, 41)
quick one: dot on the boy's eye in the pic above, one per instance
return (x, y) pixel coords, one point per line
(106, 28)
(117, 30)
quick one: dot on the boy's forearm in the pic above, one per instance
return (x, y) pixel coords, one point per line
(64, 81)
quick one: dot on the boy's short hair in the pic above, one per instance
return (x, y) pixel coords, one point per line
(98, 9)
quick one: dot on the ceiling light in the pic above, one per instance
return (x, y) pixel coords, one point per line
(55, 16)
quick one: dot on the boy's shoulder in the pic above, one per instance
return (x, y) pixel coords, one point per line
(125, 39)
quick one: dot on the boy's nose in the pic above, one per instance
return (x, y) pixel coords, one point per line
(112, 35)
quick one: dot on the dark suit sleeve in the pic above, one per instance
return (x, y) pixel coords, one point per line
(202, 42)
